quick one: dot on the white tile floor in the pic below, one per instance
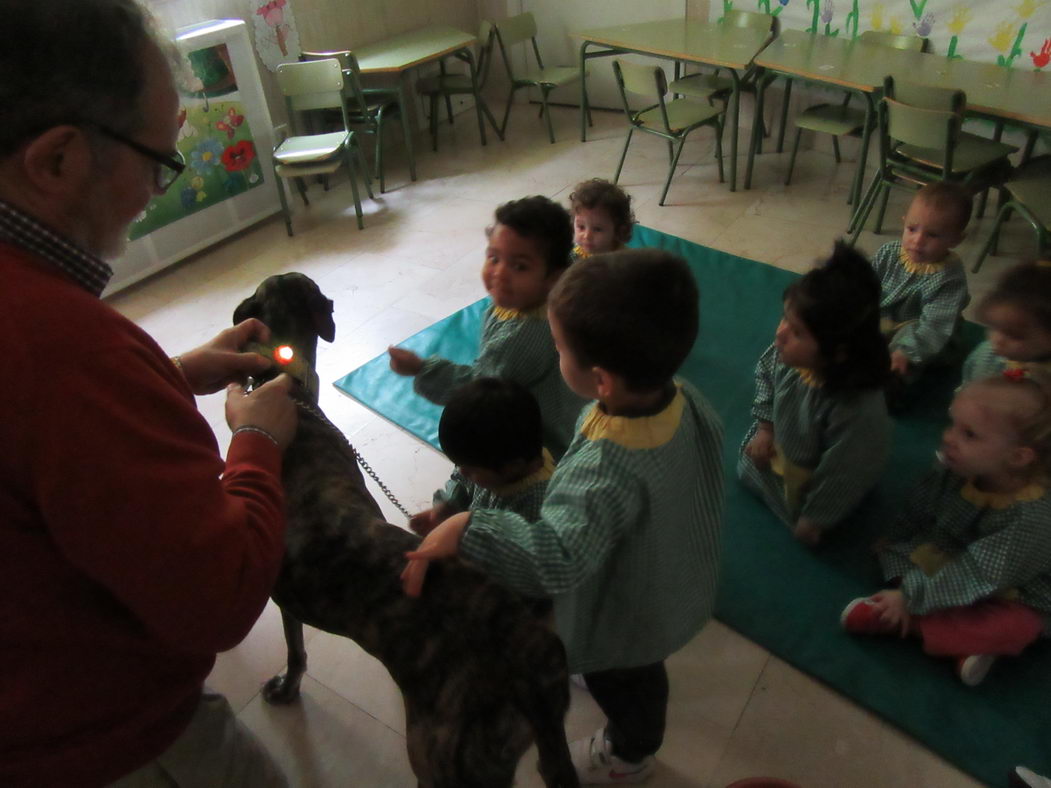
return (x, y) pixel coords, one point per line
(735, 710)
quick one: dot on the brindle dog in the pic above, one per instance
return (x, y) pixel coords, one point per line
(480, 675)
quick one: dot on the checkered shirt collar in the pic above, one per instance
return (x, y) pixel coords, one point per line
(24, 231)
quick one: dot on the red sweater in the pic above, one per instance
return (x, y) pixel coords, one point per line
(129, 552)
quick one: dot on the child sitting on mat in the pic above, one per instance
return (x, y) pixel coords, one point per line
(602, 217)
(1018, 314)
(974, 560)
(821, 434)
(491, 429)
(627, 543)
(528, 250)
(923, 282)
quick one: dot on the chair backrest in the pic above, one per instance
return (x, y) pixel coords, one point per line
(486, 42)
(926, 96)
(647, 80)
(920, 115)
(352, 89)
(752, 19)
(309, 85)
(885, 38)
(515, 30)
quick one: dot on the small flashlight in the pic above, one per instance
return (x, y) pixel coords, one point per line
(283, 354)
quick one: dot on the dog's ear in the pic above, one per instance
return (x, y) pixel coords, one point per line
(316, 304)
(246, 309)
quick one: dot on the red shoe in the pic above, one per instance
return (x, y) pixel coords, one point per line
(860, 617)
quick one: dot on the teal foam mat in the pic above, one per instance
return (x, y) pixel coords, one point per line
(773, 590)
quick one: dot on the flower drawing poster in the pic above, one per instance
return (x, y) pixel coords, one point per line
(215, 141)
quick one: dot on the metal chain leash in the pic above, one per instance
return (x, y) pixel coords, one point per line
(316, 413)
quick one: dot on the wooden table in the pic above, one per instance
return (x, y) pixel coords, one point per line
(684, 42)
(1015, 95)
(399, 54)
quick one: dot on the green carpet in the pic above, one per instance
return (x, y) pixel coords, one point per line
(774, 591)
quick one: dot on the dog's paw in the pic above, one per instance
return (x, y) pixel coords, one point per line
(280, 690)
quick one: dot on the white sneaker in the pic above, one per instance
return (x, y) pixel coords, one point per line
(1022, 777)
(596, 764)
(972, 669)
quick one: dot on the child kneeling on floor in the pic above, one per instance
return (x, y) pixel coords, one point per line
(821, 435)
(602, 218)
(974, 556)
(627, 543)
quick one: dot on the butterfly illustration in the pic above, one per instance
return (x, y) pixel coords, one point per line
(230, 123)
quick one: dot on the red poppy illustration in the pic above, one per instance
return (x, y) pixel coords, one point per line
(1043, 57)
(237, 157)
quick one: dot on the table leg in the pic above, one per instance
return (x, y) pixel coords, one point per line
(757, 129)
(403, 110)
(468, 58)
(584, 92)
(863, 154)
(733, 132)
(784, 115)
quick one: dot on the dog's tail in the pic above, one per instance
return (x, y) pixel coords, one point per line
(541, 693)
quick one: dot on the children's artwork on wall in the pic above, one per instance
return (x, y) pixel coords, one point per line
(276, 36)
(215, 141)
(1011, 33)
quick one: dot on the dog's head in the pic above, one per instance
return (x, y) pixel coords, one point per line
(296, 312)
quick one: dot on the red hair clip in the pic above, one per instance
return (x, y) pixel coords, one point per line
(1016, 373)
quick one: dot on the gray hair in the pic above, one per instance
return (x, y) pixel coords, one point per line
(70, 61)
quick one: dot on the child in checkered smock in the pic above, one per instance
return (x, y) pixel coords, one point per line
(821, 434)
(1018, 315)
(972, 563)
(923, 282)
(627, 543)
(528, 250)
(602, 218)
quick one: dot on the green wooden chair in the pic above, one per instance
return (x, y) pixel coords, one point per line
(446, 85)
(519, 30)
(921, 142)
(366, 108)
(670, 120)
(841, 119)
(714, 85)
(309, 86)
(1028, 191)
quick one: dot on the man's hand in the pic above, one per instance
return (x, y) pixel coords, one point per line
(404, 362)
(267, 407)
(442, 542)
(220, 362)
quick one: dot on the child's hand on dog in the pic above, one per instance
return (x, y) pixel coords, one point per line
(426, 521)
(404, 362)
(442, 542)
(220, 362)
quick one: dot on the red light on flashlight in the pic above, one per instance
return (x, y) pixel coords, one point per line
(283, 354)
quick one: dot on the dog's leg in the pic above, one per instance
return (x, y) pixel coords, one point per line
(285, 689)
(545, 707)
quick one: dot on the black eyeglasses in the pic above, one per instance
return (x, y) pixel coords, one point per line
(170, 166)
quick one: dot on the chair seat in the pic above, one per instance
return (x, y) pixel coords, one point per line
(701, 85)
(831, 119)
(310, 168)
(312, 149)
(554, 75)
(1031, 186)
(682, 114)
(971, 153)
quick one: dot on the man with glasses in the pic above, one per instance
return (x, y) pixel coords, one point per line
(130, 552)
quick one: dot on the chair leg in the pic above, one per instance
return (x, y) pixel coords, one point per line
(547, 112)
(719, 149)
(379, 152)
(882, 210)
(352, 166)
(364, 171)
(433, 122)
(449, 108)
(861, 213)
(792, 158)
(623, 153)
(671, 151)
(835, 150)
(507, 112)
(671, 169)
(990, 243)
(982, 200)
(302, 187)
(784, 115)
(284, 203)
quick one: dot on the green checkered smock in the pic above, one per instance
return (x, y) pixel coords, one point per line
(920, 310)
(985, 362)
(517, 346)
(843, 441)
(523, 497)
(994, 545)
(627, 543)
